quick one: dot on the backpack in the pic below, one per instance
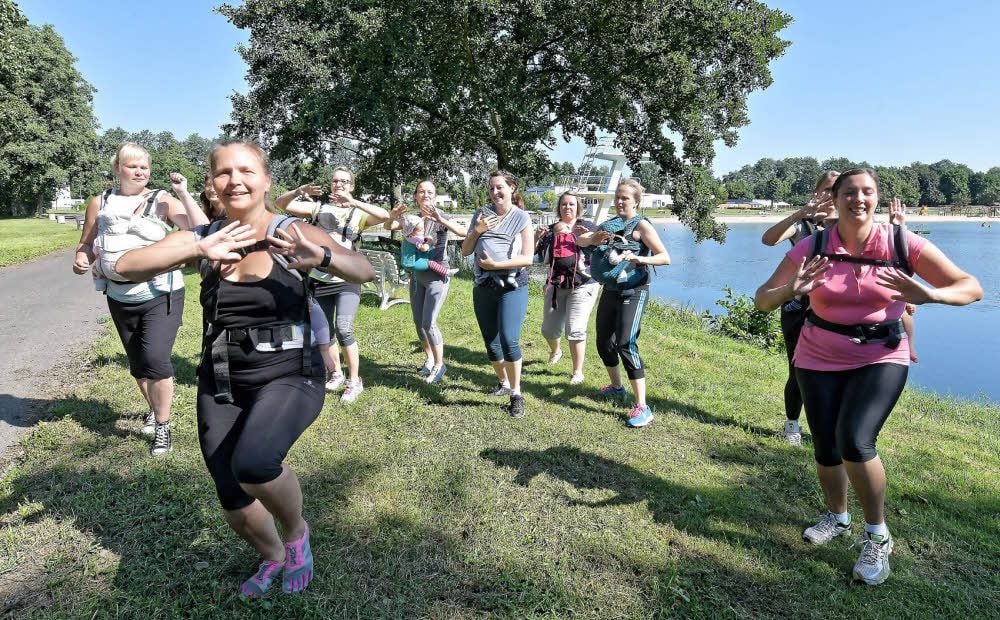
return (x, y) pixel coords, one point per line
(899, 250)
(606, 264)
(215, 342)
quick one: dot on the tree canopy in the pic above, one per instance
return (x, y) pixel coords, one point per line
(414, 88)
(47, 125)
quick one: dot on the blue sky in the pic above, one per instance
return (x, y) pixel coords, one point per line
(889, 81)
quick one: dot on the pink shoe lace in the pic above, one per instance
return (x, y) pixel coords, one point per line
(261, 580)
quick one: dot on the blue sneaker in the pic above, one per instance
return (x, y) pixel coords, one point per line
(612, 391)
(641, 415)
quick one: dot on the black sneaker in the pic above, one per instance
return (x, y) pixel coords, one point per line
(516, 407)
(161, 440)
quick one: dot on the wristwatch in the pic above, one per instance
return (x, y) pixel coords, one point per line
(327, 257)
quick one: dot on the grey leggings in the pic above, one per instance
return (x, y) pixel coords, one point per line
(340, 308)
(427, 294)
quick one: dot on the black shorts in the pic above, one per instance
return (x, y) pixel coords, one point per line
(147, 332)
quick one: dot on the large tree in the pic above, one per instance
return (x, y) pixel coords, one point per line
(418, 86)
(47, 125)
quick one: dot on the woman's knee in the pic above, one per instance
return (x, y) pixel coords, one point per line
(255, 466)
(344, 332)
(855, 448)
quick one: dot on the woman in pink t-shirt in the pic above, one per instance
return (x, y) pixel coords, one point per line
(852, 357)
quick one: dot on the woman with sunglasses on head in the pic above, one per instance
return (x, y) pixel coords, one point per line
(570, 291)
(260, 380)
(344, 218)
(852, 357)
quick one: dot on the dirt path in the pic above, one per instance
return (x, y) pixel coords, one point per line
(48, 315)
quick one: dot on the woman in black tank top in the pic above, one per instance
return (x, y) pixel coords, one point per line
(260, 383)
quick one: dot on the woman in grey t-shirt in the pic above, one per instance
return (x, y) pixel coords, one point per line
(501, 238)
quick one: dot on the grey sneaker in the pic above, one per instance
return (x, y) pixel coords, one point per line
(437, 373)
(352, 389)
(516, 408)
(872, 566)
(162, 443)
(426, 369)
(502, 390)
(149, 424)
(793, 433)
(826, 530)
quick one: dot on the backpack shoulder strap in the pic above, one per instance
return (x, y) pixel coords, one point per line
(104, 197)
(151, 201)
(899, 251)
(819, 242)
(282, 222)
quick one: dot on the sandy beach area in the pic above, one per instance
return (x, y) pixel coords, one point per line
(911, 219)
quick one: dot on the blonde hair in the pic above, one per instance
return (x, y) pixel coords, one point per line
(128, 152)
(254, 148)
(828, 177)
(344, 169)
(636, 188)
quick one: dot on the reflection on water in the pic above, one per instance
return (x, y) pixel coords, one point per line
(959, 348)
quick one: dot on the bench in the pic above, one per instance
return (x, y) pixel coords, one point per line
(387, 283)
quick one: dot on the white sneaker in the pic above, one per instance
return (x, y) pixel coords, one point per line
(576, 379)
(872, 566)
(793, 433)
(336, 380)
(826, 530)
(149, 424)
(352, 389)
(555, 357)
(426, 369)
(437, 373)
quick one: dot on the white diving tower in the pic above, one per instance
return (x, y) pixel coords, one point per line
(598, 190)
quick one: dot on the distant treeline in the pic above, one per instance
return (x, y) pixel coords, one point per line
(793, 179)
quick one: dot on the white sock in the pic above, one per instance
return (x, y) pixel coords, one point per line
(843, 518)
(879, 529)
(515, 392)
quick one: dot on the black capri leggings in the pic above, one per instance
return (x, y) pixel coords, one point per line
(847, 408)
(791, 326)
(148, 332)
(619, 322)
(247, 441)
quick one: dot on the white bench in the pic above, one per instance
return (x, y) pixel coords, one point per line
(387, 285)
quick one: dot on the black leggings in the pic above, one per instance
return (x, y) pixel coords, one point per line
(247, 441)
(847, 408)
(619, 321)
(147, 332)
(791, 327)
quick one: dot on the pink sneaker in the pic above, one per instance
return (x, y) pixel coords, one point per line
(261, 580)
(298, 564)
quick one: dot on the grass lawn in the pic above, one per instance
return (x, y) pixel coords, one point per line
(22, 239)
(430, 501)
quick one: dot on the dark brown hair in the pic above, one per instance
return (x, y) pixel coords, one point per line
(850, 173)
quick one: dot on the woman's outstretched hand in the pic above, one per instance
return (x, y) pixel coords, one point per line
(222, 244)
(809, 275)
(300, 252)
(906, 287)
(897, 212)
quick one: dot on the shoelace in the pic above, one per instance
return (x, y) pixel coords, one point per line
(265, 572)
(636, 411)
(871, 551)
(162, 435)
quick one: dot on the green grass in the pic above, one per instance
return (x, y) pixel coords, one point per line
(431, 502)
(23, 239)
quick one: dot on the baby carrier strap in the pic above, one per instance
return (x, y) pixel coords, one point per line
(150, 203)
(899, 252)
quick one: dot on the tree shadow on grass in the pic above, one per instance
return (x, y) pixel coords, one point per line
(148, 541)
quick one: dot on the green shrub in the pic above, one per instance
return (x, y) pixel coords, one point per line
(743, 321)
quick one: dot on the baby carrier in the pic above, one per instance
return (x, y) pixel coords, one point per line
(269, 338)
(607, 263)
(889, 332)
(568, 268)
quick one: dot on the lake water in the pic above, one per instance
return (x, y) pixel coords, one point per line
(959, 348)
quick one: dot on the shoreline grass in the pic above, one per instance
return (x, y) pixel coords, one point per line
(431, 502)
(23, 239)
